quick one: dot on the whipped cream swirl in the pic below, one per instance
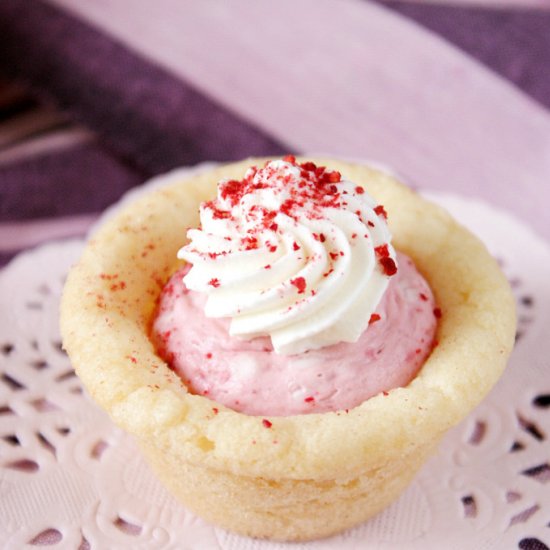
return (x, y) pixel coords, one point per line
(292, 251)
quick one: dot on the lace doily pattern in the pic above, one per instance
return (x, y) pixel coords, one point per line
(70, 479)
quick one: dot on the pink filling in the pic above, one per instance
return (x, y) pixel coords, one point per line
(249, 377)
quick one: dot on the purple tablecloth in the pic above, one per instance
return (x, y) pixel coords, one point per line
(96, 98)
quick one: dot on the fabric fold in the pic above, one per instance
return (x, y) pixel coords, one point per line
(149, 117)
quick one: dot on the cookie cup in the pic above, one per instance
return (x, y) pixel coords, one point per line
(286, 478)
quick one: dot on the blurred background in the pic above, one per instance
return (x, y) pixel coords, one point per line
(98, 96)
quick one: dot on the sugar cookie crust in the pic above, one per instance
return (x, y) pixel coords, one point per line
(363, 456)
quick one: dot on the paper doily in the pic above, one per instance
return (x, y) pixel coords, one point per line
(69, 479)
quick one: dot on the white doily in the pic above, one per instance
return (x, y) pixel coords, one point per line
(69, 479)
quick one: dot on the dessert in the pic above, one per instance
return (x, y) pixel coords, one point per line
(291, 265)
(283, 477)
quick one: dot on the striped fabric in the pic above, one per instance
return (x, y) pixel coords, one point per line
(95, 97)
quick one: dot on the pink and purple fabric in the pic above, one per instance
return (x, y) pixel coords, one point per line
(96, 97)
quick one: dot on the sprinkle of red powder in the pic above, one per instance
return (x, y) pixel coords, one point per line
(373, 318)
(388, 266)
(437, 313)
(380, 211)
(309, 399)
(382, 251)
(266, 423)
(268, 266)
(217, 214)
(132, 358)
(370, 224)
(299, 283)
(209, 355)
(308, 166)
(118, 286)
(231, 190)
(334, 176)
(314, 190)
(287, 207)
(215, 410)
(333, 255)
(250, 243)
(385, 393)
(423, 297)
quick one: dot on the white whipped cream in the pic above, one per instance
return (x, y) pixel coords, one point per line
(293, 252)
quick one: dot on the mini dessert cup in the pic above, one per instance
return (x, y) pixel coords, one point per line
(285, 478)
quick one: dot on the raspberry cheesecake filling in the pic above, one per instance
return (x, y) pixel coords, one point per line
(293, 299)
(250, 377)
